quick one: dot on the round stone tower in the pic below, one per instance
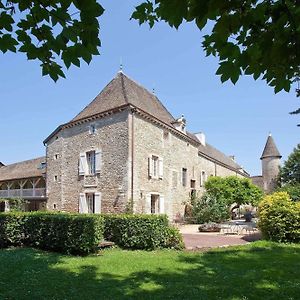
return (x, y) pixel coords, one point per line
(270, 160)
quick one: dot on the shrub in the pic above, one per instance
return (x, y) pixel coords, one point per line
(141, 231)
(208, 209)
(292, 189)
(279, 218)
(66, 233)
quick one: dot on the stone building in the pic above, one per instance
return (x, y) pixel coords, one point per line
(270, 161)
(125, 150)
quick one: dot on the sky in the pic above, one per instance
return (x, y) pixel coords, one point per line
(236, 119)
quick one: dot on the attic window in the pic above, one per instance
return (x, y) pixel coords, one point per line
(92, 129)
(42, 165)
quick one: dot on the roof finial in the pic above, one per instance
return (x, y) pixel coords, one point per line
(121, 65)
(270, 134)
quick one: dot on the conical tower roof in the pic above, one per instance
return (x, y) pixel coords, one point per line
(270, 149)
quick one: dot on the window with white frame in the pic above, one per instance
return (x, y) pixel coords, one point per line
(155, 167)
(155, 204)
(90, 203)
(90, 162)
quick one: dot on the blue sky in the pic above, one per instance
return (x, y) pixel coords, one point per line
(236, 119)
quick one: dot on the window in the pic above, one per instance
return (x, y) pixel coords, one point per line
(56, 156)
(90, 200)
(193, 184)
(92, 129)
(154, 204)
(55, 178)
(174, 179)
(184, 176)
(203, 178)
(91, 162)
(155, 167)
(90, 203)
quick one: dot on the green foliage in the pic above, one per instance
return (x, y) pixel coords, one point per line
(141, 231)
(232, 189)
(66, 233)
(279, 218)
(290, 171)
(292, 189)
(52, 32)
(258, 38)
(15, 204)
(208, 209)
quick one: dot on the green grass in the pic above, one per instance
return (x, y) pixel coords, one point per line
(262, 270)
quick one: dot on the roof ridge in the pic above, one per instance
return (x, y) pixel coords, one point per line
(23, 161)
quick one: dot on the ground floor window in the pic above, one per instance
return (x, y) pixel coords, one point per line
(90, 203)
(2, 206)
(90, 199)
(155, 204)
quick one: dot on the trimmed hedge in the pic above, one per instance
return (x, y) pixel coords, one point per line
(66, 233)
(279, 218)
(141, 231)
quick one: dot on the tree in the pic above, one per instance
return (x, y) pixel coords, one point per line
(232, 190)
(290, 171)
(253, 37)
(51, 31)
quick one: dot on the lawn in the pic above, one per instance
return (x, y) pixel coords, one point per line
(262, 270)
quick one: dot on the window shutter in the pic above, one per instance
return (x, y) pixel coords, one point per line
(150, 166)
(161, 205)
(97, 203)
(82, 164)
(98, 157)
(160, 168)
(148, 204)
(83, 209)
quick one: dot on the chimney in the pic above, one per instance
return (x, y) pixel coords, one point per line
(201, 137)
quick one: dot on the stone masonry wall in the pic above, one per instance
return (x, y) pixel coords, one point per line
(63, 152)
(151, 139)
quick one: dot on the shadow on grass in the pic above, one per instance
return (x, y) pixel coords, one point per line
(270, 271)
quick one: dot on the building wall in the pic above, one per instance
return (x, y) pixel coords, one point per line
(270, 171)
(151, 139)
(111, 137)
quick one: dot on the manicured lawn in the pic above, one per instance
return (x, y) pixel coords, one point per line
(261, 270)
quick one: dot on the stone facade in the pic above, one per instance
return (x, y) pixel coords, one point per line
(64, 184)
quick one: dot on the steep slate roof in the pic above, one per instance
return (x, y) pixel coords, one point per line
(121, 91)
(270, 149)
(25, 169)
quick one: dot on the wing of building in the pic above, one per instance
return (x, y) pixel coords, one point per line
(25, 180)
(125, 150)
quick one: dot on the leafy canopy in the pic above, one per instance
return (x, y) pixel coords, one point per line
(51, 31)
(255, 37)
(290, 171)
(232, 190)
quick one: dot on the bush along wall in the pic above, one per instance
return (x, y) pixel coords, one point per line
(66, 233)
(141, 231)
(279, 218)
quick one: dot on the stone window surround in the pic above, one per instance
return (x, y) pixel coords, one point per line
(159, 167)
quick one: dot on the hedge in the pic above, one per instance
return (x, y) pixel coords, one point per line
(141, 231)
(66, 233)
(279, 218)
